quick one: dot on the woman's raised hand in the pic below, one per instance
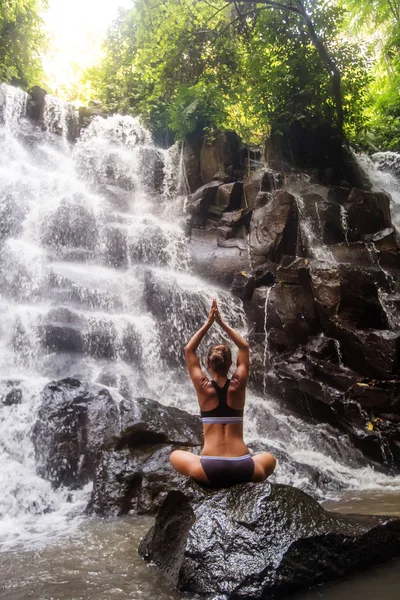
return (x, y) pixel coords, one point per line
(211, 314)
(217, 314)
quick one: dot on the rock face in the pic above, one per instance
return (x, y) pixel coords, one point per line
(312, 258)
(261, 541)
(82, 434)
(75, 421)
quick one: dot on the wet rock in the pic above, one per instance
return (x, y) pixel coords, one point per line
(71, 225)
(119, 198)
(387, 161)
(350, 294)
(367, 212)
(357, 254)
(192, 164)
(75, 421)
(200, 202)
(258, 541)
(101, 338)
(10, 393)
(274, 227)
(145, 421)
(149, 246)
(215, 262)
(243, 286)
(229, 198)
(217, 158)
(35, 104)
(151, 165)
(379, 396)
(135, 473)
(116, 246)
(87, 113)
(289, 313)
(134, 480)
(62, 331)
(372, 353)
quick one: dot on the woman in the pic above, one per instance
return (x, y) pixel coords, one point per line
(225, 458)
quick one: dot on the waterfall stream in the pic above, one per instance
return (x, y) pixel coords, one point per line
(95, 282)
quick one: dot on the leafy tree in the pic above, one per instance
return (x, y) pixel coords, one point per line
(379, 22)
(187, 64)
(21, 41)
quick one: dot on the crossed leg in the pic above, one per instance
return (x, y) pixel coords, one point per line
(264, 466)
(188, 464)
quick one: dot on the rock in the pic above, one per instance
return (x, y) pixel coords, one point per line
(216, 158)
(192, 165)
(387, 161)
(71, 225)
(229, 198)
(367, 212)
(35, 104)
(274, 227)
(289, 313)
(237, 218)
(350, 294)
(116, 246)
(151, 165)
(62, 331)
(243, 285)
(372, 353)
(134, 480)
(379, 396)
(261, 541)
(87, 113)
(74, 422)
(135, 474)
(358, 254)
(10, 393)
(145, 421)
(216, 262)
(251, 188)
(200, 202)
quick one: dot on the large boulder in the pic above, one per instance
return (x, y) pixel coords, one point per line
(36, 103)
(274, 226)
(261, 541)
(134, 480)
(200, 202)
(145, 421)
(367, 212)
(74, 422)
(219, 156)
(217, 260)
(134, 474)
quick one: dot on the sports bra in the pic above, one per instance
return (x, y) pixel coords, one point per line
(222, 413)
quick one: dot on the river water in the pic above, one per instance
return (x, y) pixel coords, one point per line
(93, 256)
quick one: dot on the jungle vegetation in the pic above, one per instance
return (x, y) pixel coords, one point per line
(22, 41)
(254, 67)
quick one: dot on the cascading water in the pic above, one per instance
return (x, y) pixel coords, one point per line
(95, 282)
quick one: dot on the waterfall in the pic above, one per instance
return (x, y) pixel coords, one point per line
(382, 173)
(266, 346)
(315, 246)
(95, 282)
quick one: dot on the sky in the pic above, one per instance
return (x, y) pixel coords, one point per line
(76, 29)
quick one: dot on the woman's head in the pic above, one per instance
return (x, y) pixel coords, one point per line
(219, 358)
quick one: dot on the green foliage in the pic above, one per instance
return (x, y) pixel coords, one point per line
(189, 64)
(21, 41)
(379, 22)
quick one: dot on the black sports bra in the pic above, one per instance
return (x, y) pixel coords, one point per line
(222, 413)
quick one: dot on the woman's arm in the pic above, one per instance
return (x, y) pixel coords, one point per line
(196, 373)
(243, 358)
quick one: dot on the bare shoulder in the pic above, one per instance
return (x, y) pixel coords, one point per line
(238, 382)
